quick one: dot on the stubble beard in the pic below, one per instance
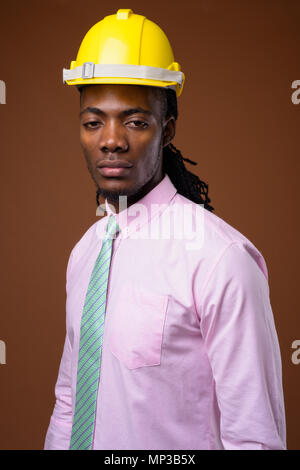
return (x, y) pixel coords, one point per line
(113, 196)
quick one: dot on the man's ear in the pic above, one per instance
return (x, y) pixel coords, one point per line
(169, 130)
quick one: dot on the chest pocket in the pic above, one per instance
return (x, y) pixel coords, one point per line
(136, 326)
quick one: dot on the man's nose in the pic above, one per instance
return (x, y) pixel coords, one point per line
(113, 138)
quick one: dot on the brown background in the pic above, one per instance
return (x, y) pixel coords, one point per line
(236, 120)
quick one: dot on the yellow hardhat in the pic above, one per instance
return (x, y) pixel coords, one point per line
(125, 48)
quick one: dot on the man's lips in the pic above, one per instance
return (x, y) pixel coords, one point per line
(114, 164)
(114, 167)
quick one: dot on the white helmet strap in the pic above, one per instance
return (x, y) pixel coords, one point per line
(91, 70)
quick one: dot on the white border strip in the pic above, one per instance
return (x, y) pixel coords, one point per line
(91, 70)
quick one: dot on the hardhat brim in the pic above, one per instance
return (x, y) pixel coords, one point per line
(128, 74)
(125, 81)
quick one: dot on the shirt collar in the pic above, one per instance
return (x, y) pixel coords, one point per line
(141, 212)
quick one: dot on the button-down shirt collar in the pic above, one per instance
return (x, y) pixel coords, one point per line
(133, 217)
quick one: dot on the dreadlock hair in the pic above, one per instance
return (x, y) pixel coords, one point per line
(187, 184)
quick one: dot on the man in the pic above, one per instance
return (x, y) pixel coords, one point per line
(170, 341)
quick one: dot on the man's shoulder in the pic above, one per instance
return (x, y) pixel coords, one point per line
(211, 222)
(90, 236)
(217, 235)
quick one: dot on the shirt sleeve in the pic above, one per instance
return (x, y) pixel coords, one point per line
(60, 427)
(238, 329)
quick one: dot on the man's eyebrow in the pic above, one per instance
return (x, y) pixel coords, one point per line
(126, 112)
(90, 109)
(138, 109)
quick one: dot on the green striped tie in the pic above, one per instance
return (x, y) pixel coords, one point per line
(90, 348)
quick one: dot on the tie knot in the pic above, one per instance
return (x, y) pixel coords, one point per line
(112, 227)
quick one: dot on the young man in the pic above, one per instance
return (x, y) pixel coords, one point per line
(171, 341)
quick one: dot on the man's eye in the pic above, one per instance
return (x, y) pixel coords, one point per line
(138, 123)
(91, 124)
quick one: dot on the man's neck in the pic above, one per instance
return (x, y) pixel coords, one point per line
(137, 196)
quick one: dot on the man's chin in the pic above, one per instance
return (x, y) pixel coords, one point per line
(113, 196)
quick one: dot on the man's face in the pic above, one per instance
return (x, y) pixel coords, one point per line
(124, 123)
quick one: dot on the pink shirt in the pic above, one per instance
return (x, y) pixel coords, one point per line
(190, 358)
